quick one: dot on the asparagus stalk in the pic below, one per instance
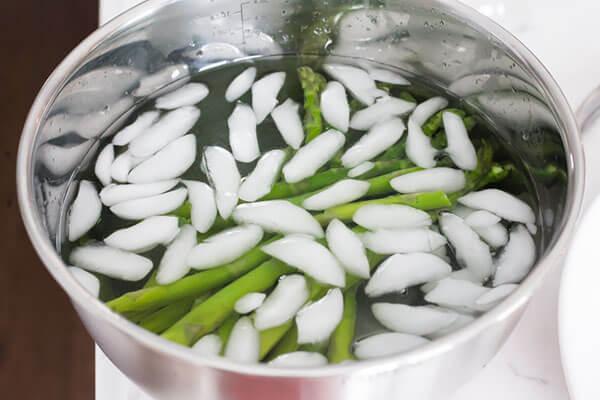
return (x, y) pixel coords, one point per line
(225, 329)
(137, 316)
(379, 184)
(190, 286)
(107, 291)
(393, 159)
(423, 201)
(396, 152)
(438, 139)
(185, 210)
(470, 123)
(287, 341)
(162, 319)
(374, 260)
(381, 167)
(485, 173)
(384, 86)
(151, 282)
(404, 95)
(340, 343)
(213, 312)
(288, 344)
(269, 338)
(355, 106)
(320, 347)
(313, 84)
(389, 162)
(282, 190)
(434, 122)
(320, 180)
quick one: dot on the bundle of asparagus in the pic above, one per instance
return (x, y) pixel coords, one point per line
(269, 267)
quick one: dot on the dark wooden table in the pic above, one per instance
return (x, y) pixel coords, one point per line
(45, 352)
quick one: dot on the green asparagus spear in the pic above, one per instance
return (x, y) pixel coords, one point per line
(487, 172)
(340, 343)
(381, 167)
(423, 201)
(438, 139)
(138, 316)
(393, 159)
(190, 286)
(355, 106)
(282, 190)
(213, 312)
(162, 319)
(485, 154)
(496, 173)
(312, 84)
(107, 291)
(435, 121)
(151, 282)
(225, 329)
(379, 184)
(386, 87)
(288, 344)
(396, 152)
(404, 95)
(272, 336)
(470, 123)
(374, 260)
(185, 210)
(288, 334)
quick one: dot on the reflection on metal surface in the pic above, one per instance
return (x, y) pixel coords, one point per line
(152, 83)
(89, 92)
(86, 125)
(482, 82)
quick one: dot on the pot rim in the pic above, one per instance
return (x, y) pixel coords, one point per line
(53, 262)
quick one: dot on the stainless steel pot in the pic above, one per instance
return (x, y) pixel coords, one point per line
(159, 43)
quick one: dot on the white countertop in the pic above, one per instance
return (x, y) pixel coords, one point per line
(528, 367)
